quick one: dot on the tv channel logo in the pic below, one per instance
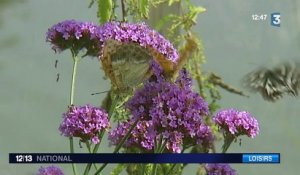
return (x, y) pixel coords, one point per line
(275, 19)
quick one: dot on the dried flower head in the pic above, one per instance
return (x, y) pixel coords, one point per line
(85, 122)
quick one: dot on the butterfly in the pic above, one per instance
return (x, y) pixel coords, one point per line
(128, 64)
(272, 84)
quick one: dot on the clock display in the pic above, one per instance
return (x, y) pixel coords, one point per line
(24, 158)
(259, 17)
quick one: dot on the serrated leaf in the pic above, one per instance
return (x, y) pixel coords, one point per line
(144, 7)
(104, 10)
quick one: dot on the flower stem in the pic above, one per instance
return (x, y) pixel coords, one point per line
(199, 78)
(160, 146)
(101, 134)
(110, 114)
(72, 151)
(174, 165)
(143, 168)
(126, 137)
(228, 139)
(197, 71)
(154, 169)
(87, 168)
(171, 169)
(123, 11)
(119, 146)
(75, 63)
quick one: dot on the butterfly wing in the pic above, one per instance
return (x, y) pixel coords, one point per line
(295, 79)
(272, 84)
(265, 82)
(129, 63)
(289, 74)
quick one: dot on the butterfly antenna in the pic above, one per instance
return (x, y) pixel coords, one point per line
(99, 92)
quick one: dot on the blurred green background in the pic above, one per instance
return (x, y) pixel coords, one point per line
(31, 102)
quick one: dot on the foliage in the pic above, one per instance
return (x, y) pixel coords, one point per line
(104, 10)
(164, 115)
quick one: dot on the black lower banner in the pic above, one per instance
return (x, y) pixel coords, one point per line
(144, 158)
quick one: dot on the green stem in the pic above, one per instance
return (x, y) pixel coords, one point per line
(201, 91)
(159, 148)
(171, 169)
(126, 137)
(228, 139)
(87, 168)
(154, 169)
(75, 61)
(143, 168)
(72, 151)
(119, 146)
(123, 11)
(197, 71)
(75, 65)
(173, 166)
(88, 145)
(110, 114)
(163, 146)
(101, 134)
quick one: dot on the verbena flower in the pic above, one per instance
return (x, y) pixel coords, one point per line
(75, 35)
(219, 169)
(184, 80)
(50, 170)
(237, 122)
(138, 33)
(159, 96)
(168, 110)
(142, 136)
(85, 122)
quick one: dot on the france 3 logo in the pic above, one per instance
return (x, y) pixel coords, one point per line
(275, 19)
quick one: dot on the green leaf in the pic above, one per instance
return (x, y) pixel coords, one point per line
(172, 2)
(104, 10)
(199, 9)
(194, 11)
(144, 7)
(160, 24)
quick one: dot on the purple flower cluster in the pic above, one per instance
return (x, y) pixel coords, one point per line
(85, 122)
(168, 110)
(184, 80)
(237, 122)
(219, 169)
(138, 33)
(142, 136)
(75, 35)
(50, 170)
